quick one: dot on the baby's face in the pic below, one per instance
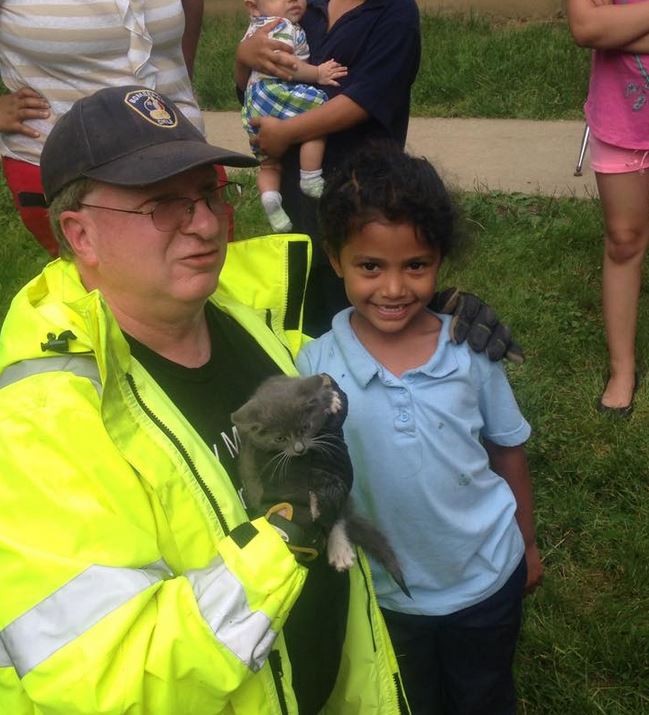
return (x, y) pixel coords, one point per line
(293, 10)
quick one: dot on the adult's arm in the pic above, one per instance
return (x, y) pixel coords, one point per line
(277, 135)
(100, 610)
(607, 27)
(511, 464)
(378, 85)
(20, 106)
(193, 10)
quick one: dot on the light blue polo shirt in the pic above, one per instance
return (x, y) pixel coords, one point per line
(420, 472)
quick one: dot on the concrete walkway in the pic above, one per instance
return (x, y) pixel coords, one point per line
(508, 155)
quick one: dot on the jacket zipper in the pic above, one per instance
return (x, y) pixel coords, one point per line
(369, 603)
(275, 660)
(401, 700)
(183, 452)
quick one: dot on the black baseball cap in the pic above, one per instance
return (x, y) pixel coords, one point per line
(128, 136)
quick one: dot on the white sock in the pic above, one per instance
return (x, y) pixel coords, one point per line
(272, 203)
(312, 183)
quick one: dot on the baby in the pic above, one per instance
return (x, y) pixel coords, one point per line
(270, 96)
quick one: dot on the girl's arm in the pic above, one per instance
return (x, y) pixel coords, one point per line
(606, 26)
(639, 46)
(511, 464)
(276, 135)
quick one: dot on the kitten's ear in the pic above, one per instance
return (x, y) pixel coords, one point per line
(243, 415)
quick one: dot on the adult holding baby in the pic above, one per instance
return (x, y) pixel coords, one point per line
(379, 43)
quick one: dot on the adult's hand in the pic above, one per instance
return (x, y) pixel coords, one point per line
(477, 323)
(20, 106)
(261, 52)
(273, 137)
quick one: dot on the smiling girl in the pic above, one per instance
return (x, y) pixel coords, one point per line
(435, 436)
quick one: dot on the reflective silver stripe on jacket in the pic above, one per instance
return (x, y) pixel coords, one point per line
(73, 609)
(222, 601)
(5, 660)
(80, 365)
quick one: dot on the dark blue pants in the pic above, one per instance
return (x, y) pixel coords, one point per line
(461, 664)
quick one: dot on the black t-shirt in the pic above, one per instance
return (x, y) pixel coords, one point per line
(207, 396)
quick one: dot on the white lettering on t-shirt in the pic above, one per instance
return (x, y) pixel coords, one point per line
(232, 443)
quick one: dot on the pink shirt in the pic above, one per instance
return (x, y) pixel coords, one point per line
(617, 108)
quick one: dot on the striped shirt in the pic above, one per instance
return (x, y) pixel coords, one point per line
(67, 49)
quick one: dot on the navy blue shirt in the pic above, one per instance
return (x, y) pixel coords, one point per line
(380, 44)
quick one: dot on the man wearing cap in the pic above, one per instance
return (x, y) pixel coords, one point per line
(133, 580)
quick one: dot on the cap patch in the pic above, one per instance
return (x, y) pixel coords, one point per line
(152, 107)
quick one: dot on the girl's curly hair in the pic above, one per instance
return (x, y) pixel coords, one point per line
(382, 182)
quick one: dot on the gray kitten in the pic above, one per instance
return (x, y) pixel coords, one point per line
(292, 450)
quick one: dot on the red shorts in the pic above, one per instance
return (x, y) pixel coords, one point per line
(24, 182)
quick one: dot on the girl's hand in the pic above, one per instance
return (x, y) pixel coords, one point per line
(20, 106)
(534, 569)
(330, 71)
(273, 137)
(269, 56)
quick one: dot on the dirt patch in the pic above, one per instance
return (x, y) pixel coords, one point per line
(497, 8)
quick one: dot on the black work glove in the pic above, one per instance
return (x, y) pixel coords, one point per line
(302, 535)
(476, 322)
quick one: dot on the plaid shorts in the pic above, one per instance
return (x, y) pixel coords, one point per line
(276, 98)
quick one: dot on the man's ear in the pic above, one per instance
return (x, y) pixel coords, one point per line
(79, 229)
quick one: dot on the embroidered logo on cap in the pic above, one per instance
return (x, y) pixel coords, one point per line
(152, 107)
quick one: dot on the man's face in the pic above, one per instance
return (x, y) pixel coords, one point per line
(138, 266)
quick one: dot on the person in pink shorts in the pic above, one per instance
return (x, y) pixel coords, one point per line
(617, 112)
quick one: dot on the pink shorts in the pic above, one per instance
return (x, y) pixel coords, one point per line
(610, 159)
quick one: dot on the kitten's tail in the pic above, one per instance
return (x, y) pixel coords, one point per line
(364, 534)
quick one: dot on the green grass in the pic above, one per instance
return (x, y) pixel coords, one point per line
(470, 67)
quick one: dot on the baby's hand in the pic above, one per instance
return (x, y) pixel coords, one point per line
(19, 106)
(330, 71)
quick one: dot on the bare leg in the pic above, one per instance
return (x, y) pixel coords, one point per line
(311, 155)
(625, 203)
(269, 176)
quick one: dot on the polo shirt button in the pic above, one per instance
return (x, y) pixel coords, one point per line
(403, 391)
(404, 416)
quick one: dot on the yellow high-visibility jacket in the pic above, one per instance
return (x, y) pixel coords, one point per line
(131, 580)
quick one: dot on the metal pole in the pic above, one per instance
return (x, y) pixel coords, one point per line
(582, 151)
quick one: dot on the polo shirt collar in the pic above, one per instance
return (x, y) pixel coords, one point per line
(364, 367)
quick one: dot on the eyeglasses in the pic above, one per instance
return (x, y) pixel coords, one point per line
(177, 212)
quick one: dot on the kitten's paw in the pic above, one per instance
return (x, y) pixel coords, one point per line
(336, 403)
(340, 551)
(313, 506)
